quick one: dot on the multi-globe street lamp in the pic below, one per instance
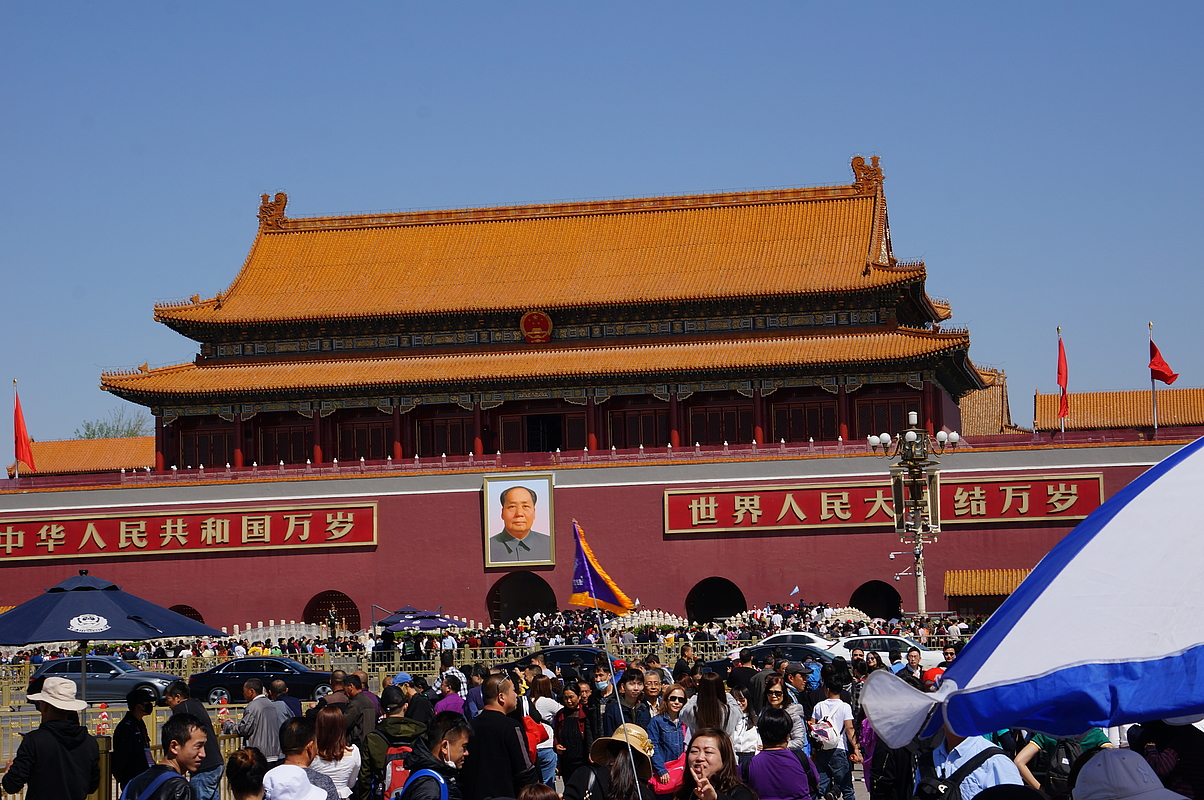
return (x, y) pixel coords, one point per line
(915, 490)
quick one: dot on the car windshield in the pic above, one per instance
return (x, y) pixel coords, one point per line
(915, 644)
(124, 666)
(288, 662)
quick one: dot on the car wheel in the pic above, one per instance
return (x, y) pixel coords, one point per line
(148, 687)
(321, 690)
(217, 695)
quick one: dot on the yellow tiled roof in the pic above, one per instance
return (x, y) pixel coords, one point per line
(986, 412)
(65, 456)
(683, 358)
(665, 249)
(1131, 409)
(983, 582)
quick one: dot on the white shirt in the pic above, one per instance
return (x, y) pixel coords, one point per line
(835, 711)
(343, 772)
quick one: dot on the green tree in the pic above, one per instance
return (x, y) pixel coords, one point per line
(121, 421)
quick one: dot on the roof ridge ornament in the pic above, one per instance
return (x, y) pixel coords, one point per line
(271, 211)
(867, 177)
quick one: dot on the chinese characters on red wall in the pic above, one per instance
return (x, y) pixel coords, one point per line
(192, 531)
(1041, 499)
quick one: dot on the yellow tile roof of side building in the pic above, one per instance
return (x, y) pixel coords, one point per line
(1125, 409)
(65, 456)
(983, 582)
(691, 248)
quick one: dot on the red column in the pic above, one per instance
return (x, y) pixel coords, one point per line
(758, 417)
(842, 413)
(160, 435)
(674, 421)
(407, 439)
(238, 460)
(591, 425)
(478, 433)
(317, 459)
(928, 406)
(397, 456)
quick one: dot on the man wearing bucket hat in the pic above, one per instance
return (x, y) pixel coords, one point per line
(612, 759)
(58, 760)
(1120, 775)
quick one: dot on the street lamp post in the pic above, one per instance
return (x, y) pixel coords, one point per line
(915, 490)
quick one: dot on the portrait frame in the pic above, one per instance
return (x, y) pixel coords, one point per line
(500, 548)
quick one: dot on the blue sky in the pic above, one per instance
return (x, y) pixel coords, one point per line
(1042, 158)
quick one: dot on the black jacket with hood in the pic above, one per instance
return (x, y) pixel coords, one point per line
(58, 760)
(426, 787)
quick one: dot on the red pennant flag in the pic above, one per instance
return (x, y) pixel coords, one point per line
(1159, 369)
(1064, 404)
(21, 436)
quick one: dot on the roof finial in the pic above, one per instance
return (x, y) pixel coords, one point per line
(867, 177)
(271, 211)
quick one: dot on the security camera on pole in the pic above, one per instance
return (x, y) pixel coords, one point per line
(916, 491)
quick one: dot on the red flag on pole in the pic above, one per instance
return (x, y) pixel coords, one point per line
(1159, 369)
(23, 449)
(1064, 404)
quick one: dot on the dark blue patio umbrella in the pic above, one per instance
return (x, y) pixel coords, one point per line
(426, 621)
(402, 614)
(87, 609)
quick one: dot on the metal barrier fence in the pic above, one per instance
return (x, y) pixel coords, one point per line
(15, 677)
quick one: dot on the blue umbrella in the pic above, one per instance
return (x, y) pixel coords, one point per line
(87, 609)
(409, 612)
(1106, 630)
(426, 622)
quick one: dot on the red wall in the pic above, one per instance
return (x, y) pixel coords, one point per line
(430, 554)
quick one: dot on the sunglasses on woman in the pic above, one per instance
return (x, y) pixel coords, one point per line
(676, 699)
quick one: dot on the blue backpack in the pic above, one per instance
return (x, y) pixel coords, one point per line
(427, 773)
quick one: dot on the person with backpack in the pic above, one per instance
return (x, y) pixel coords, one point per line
(1053, 759)
(837, 748)
(776, 772)
(960, 767)
(383, 755)
(183, 749)
(435, 762)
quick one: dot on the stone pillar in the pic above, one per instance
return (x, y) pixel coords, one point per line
(478, 433)
(317, 458)
(842, 413)
(397, 454)
(160, 436)
(238, 441)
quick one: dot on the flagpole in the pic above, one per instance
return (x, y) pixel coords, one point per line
(1153, 388)
(589, 579)
(16, 461)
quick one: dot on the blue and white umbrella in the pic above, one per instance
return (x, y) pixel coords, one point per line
(1108, 629)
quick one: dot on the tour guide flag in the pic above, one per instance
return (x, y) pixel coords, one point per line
(1159, 368)
(592, 587)
(24, 451)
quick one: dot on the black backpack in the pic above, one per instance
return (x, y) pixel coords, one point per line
(1065, 753)
(933, 788)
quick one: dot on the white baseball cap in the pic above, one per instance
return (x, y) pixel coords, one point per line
(289, 782)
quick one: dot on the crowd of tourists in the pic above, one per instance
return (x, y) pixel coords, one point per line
(605, 730)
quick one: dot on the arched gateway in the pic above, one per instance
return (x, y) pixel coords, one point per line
(519, 594)
(878, 599)
(714, 598)
(317, 610)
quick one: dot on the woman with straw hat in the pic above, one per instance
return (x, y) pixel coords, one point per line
(620, 769)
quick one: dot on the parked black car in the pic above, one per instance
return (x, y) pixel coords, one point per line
(109, 679)
(225, 681)
(763, 652)
(561, 657)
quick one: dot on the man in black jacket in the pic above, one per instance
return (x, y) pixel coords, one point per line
(131, 742)
(206, 782)
(498, 764)
(58, 760)
(183, 749)
(445, 754)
